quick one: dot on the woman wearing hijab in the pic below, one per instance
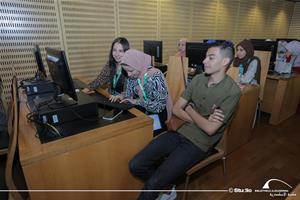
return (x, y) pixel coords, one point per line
(293, 55)
(249, 65)
(146, 86)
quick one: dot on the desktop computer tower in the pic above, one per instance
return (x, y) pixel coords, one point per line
(36, 87)
(85, 109)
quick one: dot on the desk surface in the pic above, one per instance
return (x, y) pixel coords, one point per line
(94, 159)
(281, 97)
(281, 76)
(31, 149)
(295, 194)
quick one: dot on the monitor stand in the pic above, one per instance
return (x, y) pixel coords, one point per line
(62, 101)
(39, 76)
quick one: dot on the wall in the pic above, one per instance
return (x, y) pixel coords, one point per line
(294, 29)
(85, 28)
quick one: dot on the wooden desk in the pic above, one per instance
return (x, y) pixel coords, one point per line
(295, 194)
(92, 160)
(281, 97)
(240, 131)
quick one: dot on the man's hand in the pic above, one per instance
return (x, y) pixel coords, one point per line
(217, 116)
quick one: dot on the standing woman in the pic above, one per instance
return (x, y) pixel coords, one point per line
(111, 73)
(146, 86)
(248, 64)
(293, 55)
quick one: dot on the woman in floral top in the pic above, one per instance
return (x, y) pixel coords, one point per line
(111, 73)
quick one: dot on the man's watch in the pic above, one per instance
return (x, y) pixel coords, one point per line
(189, 104)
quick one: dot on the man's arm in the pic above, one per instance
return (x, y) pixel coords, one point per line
(179, 112)
(208, 126)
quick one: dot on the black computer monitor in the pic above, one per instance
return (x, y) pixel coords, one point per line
(257, 40)
(213, 41)
(196, 52)
(267, 46)
(154, 48)
(41, 72)
(60, 74)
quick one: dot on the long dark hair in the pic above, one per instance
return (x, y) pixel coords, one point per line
(125, 44)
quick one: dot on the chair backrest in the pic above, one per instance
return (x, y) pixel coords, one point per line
(264, 57)
(175, 76)
(233, 72)
(222, 145)
(13, 142)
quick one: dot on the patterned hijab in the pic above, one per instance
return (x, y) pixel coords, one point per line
(247, 45)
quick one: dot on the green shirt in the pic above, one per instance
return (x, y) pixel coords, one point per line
(225, 94)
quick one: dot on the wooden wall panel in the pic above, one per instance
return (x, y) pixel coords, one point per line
(86, 28)
(24, 24)
(294, 29)
(138, 21)
(226, 19)
(89, 29)
(204, 17)
(174, 18)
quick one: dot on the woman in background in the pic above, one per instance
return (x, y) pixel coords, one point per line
(248, 64)
(293, 55)
(111, 74)
(181, 47)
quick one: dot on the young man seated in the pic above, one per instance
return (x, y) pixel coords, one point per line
(207, 106)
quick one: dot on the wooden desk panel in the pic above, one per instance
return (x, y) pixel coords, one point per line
(95, 159)
(281, 97)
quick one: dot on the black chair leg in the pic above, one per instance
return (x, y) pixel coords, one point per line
(224, 170)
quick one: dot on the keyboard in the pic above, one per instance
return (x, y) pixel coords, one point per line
(102, 100)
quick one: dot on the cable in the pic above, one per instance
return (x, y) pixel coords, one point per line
(55, 129)
(31, 117)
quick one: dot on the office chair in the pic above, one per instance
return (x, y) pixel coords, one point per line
(4, 138)
(177, 75)
(12, 158)
(218, 153)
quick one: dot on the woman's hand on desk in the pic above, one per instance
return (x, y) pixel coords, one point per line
(132, 101)
(88, 91)
(115, 98)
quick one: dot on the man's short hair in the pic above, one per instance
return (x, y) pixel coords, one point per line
(226, 49)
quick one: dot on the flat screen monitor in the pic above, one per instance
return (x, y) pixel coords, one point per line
(41, 73)
(196, 52)
(257, 40)
(154, 48)
(267, 46)
(60, 73)
(213, 41)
